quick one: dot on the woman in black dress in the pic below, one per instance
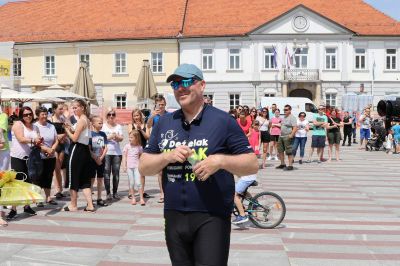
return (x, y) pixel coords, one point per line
(79, 174)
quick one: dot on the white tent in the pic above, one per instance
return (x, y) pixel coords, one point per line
(12, 95)
(59, 93)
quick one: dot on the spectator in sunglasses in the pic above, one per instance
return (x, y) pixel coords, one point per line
(285, 141)
(191, 147)
(24, 135)
(112, 163)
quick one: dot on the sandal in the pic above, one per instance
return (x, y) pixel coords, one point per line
(89, 210)
(161, 200)
(52, 202)
(67, 209)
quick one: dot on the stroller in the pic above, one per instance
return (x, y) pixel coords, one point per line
(378, 136)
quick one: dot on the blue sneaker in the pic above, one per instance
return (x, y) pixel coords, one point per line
(240, 219)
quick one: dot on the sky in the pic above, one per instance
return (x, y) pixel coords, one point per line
(389, 7)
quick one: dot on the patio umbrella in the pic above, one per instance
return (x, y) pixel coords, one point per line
(23, 97)
(145, 85)
(84, 84)
(59, 93)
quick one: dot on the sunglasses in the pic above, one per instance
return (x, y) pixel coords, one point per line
(185, 83)
(253, 111)
(111, 114)
(286, 110)
(27, 114)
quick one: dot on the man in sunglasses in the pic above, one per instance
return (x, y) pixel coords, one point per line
(286, 139)
(198, 148)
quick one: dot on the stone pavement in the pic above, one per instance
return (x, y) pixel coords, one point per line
(339, 213)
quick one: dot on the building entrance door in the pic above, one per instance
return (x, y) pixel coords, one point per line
(301, 93)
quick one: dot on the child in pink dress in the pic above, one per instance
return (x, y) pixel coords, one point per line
(254, 137)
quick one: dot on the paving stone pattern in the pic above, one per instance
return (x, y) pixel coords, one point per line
(339, 213)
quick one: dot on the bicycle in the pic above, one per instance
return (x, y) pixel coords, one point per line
(265, 210)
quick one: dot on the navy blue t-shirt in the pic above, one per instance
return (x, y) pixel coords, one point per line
(213, 131)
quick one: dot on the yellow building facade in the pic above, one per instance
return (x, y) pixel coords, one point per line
(113, 65)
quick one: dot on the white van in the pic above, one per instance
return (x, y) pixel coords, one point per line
(298, 104)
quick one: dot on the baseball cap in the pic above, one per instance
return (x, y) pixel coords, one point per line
(186, 71)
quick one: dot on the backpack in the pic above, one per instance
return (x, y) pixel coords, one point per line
(35, 163)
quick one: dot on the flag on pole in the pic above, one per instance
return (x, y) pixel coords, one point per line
(275, 57)
(288, 59)
(373, 70)
(293, 58)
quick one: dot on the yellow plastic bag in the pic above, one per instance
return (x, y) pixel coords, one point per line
(7, 176)
(18, 192)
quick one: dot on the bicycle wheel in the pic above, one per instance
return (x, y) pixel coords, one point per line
(266, 210)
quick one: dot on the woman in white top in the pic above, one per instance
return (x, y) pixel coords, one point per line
(301, 136)
(24, 135)
(114, 154)
(49, 137)
(265, 136)
(78, 172)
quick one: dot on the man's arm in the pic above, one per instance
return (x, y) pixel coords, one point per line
(240, 165)
(151, 164)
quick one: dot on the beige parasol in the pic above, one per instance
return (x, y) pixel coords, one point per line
(84, 84)
(145, 86)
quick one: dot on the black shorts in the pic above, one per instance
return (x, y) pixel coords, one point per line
(318, 141)
(60, 148)
(20, 166)
(78, 170)
(96, 170)
(197, 238)
(46, 178)
(265, 137)
(275, 138)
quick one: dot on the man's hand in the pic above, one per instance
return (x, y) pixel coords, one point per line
(180, 154)
(204, 169)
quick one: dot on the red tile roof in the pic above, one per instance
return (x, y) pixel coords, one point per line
(80, 20)
(227, 17)
(74, 20)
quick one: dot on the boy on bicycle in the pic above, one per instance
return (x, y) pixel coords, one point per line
(242, 184)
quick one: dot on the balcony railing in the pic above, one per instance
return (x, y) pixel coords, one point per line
(301, 74)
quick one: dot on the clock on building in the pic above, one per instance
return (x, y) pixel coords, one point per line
(300, 23)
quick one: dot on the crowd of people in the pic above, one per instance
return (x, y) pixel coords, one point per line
(272, 135)
(78, 151)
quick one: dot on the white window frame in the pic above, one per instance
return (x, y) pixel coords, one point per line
(331, 98)
(331, 56)
(360, 55)
(268, 57)
(17, 65)
(236, 102)
(299, 58)
(87, 61)
(207, 57)
(391, 57)
(121, 67)
(237, 59)
(159, 67)
(117, 101)
(51, 71)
